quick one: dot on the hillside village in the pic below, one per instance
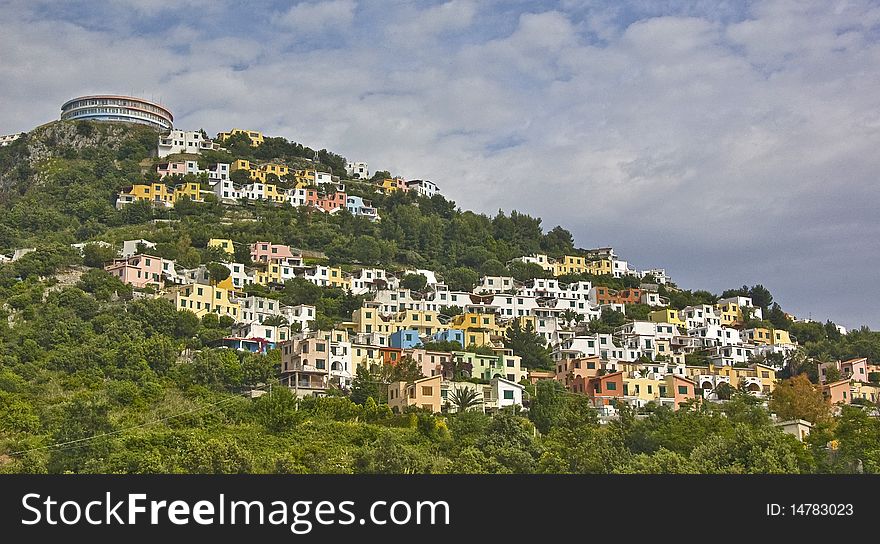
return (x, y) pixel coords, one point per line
(248, 265)
(645, 359)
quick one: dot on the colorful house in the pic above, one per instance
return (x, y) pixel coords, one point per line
(266, 252)
(601, 267)
(138, 270)
(255, 137)
(222, 244)
(392, 185)
(205, 299)
(570, 264)
(667, 316)
(837, 392)
(423, 393)
(405, 339)
(486, 367)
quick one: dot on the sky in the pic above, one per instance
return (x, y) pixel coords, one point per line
(730, 143)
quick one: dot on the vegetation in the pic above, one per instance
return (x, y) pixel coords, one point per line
(132, 385)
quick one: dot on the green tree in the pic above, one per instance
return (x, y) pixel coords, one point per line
(97, 255)
(277, 410)
(414, 282)
(528, 344)
(461, 279)
(547, 406)
(465, 398)
(217, 272)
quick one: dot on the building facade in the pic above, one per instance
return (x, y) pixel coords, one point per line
(118, 108)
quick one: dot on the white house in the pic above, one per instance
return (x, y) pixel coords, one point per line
(129, 247)
(185, 141)
(357, 170)
(368, 279)
(7, 139)
(423, 187)
(226, 191)
(506, 393)
(495, 284)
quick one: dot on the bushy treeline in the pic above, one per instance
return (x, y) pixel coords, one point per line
(131, 386)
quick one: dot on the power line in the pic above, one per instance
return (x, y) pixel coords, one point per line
(119, 431)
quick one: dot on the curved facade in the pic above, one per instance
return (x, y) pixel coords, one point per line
(126, 109)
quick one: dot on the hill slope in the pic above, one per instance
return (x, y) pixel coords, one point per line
(81, 361)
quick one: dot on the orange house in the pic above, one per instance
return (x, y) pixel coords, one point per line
(681, 389)
(569, 369)
(837, 392)
(604, 295)
(602, 390)
(391, 356)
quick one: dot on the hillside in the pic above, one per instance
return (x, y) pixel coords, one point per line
(83, 354)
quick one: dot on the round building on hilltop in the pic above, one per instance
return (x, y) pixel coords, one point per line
(125, 109)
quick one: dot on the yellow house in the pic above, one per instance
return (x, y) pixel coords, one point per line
(767, 375)
(730, 313)
(663, 347)
(426, 322)
(423, 393)
(336, 278)
(304, 178)
(272, 194)
(277, 169)
(478, 327)
(222, 243)
(189, 190)
(667, 316)
(391, 185)
(156, 192)
(205, 299)
(759, 336)
(781, 337)
(866, 391)
(365, 355)
(255, 173)
(255, 137)
(645, 389)
(570, 264)
(764, 376)
(366, 319)
(600, 267)
(272, 274)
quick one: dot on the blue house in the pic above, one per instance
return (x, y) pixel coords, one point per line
(405, 339)
(358, 206)
(451, 335)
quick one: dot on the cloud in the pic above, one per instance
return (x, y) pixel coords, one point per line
(312, 18)
(730, 145)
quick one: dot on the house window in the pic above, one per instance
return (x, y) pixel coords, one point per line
(682, 390)
(508, 395)
(612, 386)
(427, 391)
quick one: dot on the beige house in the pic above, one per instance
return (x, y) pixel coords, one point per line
(423, 393)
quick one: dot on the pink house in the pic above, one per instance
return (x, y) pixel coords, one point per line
(332, 202)
(855, 369)
(266, 252)
(852, 369)
(431, 362)
(181, 168)
(138, 270)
